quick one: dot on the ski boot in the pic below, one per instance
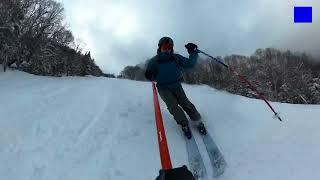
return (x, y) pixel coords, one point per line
(202, 129)
(187, 131)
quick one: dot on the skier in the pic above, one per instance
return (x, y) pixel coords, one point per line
(165, 69)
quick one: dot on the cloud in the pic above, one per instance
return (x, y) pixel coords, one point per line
(121, 33)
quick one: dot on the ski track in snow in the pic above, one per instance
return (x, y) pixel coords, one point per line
(103, 129)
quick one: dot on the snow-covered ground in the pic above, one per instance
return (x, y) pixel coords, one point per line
(103, 129)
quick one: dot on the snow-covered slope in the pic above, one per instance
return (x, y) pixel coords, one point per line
(103, 129)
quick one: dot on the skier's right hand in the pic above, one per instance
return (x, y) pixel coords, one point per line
(149, 75)
(175, 174)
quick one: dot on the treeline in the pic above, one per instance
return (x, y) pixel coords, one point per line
(281, 76)
(34, 39)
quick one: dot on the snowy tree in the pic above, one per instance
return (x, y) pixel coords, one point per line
(33, 37)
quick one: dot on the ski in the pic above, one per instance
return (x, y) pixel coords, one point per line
(217, 160)
(195, 160)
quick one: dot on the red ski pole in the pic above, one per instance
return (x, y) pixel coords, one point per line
(162, 140)
(167, 172)
(244, 80)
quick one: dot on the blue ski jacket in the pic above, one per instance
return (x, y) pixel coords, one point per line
(166, 68)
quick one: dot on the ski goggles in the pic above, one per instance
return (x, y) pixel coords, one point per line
(166, 47)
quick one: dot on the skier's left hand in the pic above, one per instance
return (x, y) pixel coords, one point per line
(192, 48)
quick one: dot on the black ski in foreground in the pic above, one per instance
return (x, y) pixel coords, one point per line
(196, 164)
(217, 160)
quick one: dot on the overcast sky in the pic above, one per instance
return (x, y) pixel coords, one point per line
(126, 32)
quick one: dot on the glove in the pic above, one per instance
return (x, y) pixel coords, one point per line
(192, 48)
(181, 173)
(149, 75)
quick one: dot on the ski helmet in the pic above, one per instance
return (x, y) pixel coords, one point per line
(165, 40)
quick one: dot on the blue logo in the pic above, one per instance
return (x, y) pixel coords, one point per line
(302, 14)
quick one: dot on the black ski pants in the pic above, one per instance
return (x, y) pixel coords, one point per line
(177, 102)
